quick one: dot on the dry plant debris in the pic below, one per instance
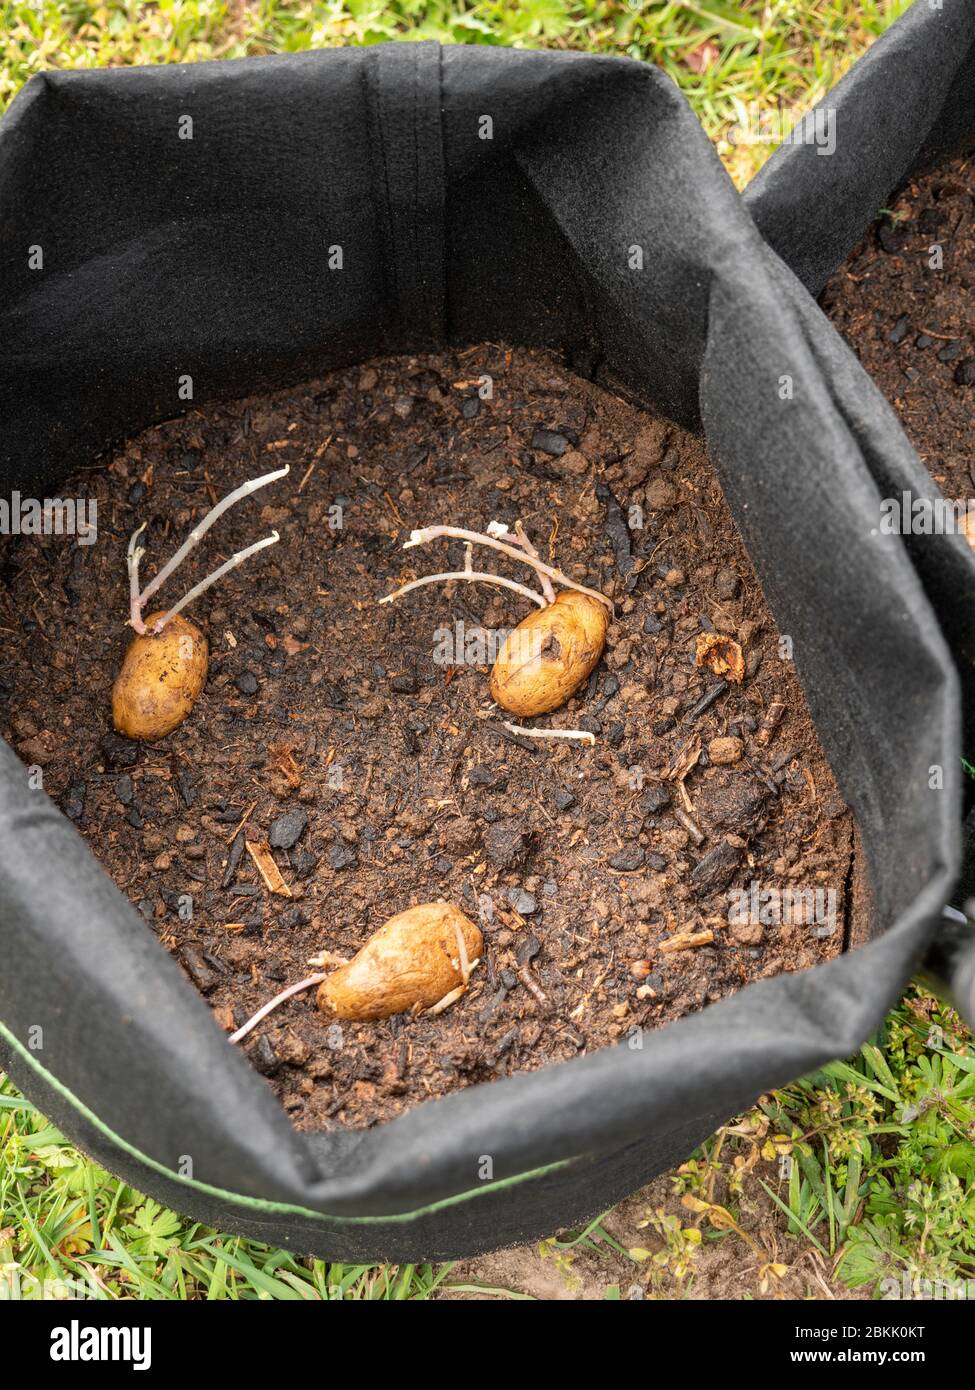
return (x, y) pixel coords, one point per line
(722, 655)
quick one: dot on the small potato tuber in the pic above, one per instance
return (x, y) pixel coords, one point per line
(548, 656)
(419, 959)
(160, 679)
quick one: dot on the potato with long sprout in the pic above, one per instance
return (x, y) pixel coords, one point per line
(551, 653)
(419, 961)
(165, 666)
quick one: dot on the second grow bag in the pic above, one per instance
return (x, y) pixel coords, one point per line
(209, 256)
(902, 110)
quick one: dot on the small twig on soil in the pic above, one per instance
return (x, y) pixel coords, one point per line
(686, 941)
(260, 852)
(692, 828)
(240, 824)
(706, 701)
(533, 989)
(265, 1009)
(503, 731)
(582, 734)
(769, 724)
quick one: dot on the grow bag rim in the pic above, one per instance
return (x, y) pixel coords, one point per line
(263, 1203)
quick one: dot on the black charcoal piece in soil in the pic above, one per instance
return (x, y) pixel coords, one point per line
(263, 1056)
(119, 751)
(233, 859)
(73, 804)
(654, 799)
(303, 862)
(287, 829)
(716, 870)
(341, 857)
(506, 844)
(628, 860)
(549, 442)
(739, 803)
(522, 902)
(616, 529)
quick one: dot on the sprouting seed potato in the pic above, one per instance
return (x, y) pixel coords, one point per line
(161, 677)
(165, 667)
(550, 654)
(417, 960)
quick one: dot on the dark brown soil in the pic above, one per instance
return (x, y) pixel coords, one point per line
(912, 322)
(381, 777)
(758, 1261)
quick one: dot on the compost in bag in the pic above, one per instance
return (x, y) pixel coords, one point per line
(905, 302)
(346, 762)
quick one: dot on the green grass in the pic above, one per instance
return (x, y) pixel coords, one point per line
(881, 1171)
(873, 1158)
(67, 1225)
(734, 61)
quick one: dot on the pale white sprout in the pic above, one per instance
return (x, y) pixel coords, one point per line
(516, 546)
(138, 600)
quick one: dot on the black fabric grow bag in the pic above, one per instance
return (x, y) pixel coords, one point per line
(208, 257)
